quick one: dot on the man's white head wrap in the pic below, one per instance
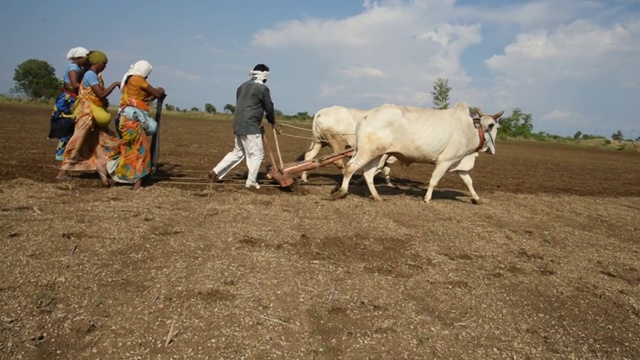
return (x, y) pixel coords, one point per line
(260, 76)
(259, 73)
(141, 68)
(77, 52)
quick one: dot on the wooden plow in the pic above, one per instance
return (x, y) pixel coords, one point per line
(283, 174)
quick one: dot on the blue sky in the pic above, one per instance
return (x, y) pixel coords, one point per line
(572, 64)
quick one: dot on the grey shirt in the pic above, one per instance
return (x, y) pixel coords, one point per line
(253, 100)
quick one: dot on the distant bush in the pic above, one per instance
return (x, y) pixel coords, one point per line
(24, 100)
(591, 137)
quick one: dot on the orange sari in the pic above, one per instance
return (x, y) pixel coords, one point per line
(134, 160)
(91, 146)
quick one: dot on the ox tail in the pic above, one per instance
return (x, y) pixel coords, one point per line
(316, 134)
(357, 131)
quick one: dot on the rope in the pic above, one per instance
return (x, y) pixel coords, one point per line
(310, 138)
(298, 137)
(165, 183)
(295, 127)
(174, 180)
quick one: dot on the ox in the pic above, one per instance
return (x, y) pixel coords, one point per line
(447, 138)
(335, 126)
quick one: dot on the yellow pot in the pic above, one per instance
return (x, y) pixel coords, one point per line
(101, 115)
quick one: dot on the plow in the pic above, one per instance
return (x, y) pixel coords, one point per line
(282, 175)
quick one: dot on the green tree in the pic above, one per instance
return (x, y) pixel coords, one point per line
(617, 136)
(36, 79)
(229, 109)
(440, 93)
(303, 116)
(209, 108)
(169, 107)
(279, 114)
(577, 135)
(518, 124)
(195, 109)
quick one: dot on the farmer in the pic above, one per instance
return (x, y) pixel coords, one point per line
(92, 143)
(61, 126)
(135, 126)
(253, 100)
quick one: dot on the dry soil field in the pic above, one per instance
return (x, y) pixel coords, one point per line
(547, 268)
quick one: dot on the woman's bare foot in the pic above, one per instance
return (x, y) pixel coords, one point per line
(137, 185)
(62, 176)
(106, 180)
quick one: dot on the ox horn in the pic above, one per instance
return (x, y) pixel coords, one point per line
(497, 115)
(494, 116)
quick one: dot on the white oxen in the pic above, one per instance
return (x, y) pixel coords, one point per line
(447, 138)
(335, 126)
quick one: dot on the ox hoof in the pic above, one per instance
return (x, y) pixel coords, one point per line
(476, 201)
(336, 195)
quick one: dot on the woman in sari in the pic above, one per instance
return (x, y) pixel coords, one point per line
(62, 117)
(133, 126)
(91, 146)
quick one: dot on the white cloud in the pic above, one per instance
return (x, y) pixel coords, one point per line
(390, 45)
(369, 4)
(559, 115)
(453, 35)
(327, 90)
(178, 74)
(360, 72)
(541, 56)
(575, 44)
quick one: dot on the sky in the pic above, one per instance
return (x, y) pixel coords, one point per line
(574, 65)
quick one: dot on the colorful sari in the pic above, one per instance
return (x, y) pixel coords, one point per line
(91, 146)
(134, 160)
(61, 123)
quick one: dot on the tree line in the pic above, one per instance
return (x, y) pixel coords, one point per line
(36, 79)
(517, 125)
(230, 109)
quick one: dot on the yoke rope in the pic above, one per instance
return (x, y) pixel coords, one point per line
(305, 129)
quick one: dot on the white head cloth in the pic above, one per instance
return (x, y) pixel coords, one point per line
(77, 52)
(260, 76)
(142, 68)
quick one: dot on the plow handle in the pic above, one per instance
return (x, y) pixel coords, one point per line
(266, 143)
(155, 141)
(275, 138)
